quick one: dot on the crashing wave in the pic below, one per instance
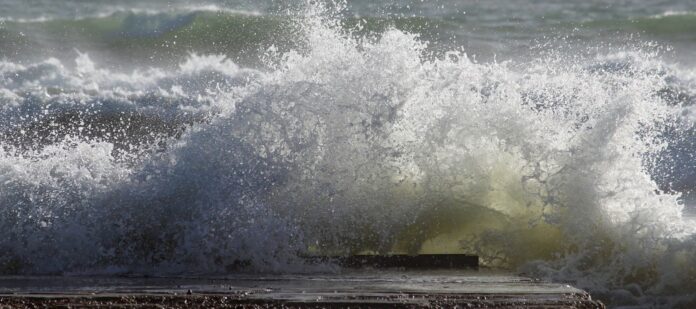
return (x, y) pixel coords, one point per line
(350, 145)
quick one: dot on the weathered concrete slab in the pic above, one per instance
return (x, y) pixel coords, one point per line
(365, 288)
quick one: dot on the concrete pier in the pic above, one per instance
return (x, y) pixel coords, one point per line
(355, 288)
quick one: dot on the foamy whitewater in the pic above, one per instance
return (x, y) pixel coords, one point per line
(558, 166)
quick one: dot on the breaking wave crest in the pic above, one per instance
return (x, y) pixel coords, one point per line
(350, 145)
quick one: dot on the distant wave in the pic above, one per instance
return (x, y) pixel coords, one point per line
(665, 25)
(140, 33)
(128, 35)
(673, 13)
(110, 11)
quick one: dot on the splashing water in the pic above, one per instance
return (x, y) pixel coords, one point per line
(349, 144)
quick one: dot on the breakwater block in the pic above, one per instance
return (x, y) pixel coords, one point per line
(421, 261)
(348, 288)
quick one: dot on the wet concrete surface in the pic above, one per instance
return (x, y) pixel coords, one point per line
(364, 288)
